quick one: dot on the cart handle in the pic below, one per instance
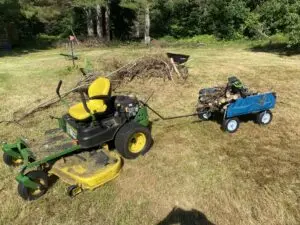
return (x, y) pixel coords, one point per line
(167, 118)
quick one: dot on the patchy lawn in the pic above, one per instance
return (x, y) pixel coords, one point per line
(251, 177)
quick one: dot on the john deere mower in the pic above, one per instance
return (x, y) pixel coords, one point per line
(77, 151)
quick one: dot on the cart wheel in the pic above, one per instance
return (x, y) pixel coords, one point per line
(231, 125)
(39, 177)
(133, 140)
(11, 161)
(264, 118)
(204, 115)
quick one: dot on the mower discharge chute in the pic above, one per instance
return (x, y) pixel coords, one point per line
(77, 151)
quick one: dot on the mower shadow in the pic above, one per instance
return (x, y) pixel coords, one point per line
(184, 217)
(52, 179)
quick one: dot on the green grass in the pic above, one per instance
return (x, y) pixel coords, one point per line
(251, 177)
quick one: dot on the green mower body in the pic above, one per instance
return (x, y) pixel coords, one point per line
(124, 126)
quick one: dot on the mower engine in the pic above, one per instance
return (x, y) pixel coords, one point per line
(126, 107)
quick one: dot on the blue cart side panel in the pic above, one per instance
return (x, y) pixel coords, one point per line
(251, 104)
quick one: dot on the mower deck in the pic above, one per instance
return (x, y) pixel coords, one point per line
(88, 170)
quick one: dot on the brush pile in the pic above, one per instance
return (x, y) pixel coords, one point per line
(146, 67)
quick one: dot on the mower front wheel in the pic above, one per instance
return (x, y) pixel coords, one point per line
(133, 140)
(39, 177)
(11, 161)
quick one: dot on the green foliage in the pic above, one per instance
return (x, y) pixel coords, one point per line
(281, 16)
(55, 15)
(89, 3)
(279, 38)
(253, 27)
(225, 19)
(294, 35)
(293, 27)
(197, 40)
(9, 10)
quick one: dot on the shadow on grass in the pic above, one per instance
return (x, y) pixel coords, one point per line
(277, 48)
(219, 119)
(17, 52)
(35, 45)
(52, 179)
(183, 217)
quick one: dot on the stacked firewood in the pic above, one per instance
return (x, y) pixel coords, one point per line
(216, 99)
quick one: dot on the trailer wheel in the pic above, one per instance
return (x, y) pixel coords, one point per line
(204, 115)
(264, 118)
(11, 161)
(231, 125)
(29, 194)
(133, 140)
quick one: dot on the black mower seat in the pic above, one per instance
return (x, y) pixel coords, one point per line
(100, 88)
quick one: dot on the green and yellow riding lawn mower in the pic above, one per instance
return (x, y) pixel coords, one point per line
(77, 152)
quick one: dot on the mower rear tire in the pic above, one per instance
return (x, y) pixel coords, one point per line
(29, 194)
(231, 125)
(133, 140)
(11, 161)
(264, 118)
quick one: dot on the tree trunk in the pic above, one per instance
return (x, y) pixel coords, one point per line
(99, 22)
(89, 22)
(136, 29)
(147, 25)
(107, 21)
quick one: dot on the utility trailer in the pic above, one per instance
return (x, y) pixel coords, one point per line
(234, 101)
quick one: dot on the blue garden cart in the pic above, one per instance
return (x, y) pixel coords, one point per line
(234, 101)
(258, 104)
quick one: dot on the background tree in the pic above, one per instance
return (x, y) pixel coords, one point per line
(141, 6)
(128, 19)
